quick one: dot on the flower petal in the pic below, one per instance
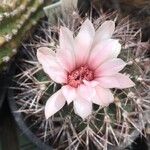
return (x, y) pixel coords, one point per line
(82, 107)
(86, 92)
(65, 54)
(103, 96)
(84, 41)
(110, 67)
(66, 40)
(118, 80)
(92, 83)
(54, 104)
(105, 31)
(103, 51)
(69, 93)
(47, 58)
(45, 55)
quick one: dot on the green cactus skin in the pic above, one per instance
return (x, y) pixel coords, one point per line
(14, 25)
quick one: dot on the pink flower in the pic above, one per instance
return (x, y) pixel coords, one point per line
(87, 67)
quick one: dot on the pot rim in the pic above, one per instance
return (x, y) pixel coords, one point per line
(3, 87)
(18, 115)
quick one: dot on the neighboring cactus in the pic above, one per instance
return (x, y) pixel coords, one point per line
(16, 18)
(114, 126)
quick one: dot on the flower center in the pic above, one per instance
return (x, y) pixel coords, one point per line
(76, 77)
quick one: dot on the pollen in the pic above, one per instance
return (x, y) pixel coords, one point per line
(76, 77)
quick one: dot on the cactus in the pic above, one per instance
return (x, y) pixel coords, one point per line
(115, 126)
(16, 18)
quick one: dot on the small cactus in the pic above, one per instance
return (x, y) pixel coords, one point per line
(16, 18)
(115, 126)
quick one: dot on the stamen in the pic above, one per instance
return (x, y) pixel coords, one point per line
(76, 77)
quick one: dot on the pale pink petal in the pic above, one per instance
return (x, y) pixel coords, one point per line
(65, 54)
(92, 83)
(66, 40)
(57, 75)
(47, 58)
(84, 41)
(82, 107)
(118, 80)
(69, 93)
(103, 96)
(103, 51)
(110, 67)
(105, 31)
(86, 92)
(54, 104)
